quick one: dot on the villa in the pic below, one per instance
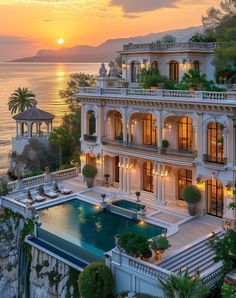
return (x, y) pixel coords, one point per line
(152, 141)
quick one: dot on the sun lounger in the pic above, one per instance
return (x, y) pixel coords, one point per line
(22, 198)
(49, 192)
(64, 190)
(36, 197)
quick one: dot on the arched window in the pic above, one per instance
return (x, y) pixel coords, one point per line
(91, 123)
(154, 65)
(185, 133)
(174, 70)
(196, 65)
(135, 71)
(215, 142)
(148, 184)
(215, 195)
(91, 159)
(184, 179)
(149, 130)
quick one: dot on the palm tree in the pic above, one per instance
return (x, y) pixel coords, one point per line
(59, 137)
(21, 100)
(183, 286)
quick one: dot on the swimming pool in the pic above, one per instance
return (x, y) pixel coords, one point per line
(90, 227)
(132, 206)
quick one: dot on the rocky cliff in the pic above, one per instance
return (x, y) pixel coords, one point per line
(27, 272)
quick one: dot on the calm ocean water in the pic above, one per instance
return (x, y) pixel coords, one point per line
(45, 80)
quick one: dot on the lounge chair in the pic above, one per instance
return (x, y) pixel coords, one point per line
(49, 192)
(22, 198)
(64, 190)
(36, 197)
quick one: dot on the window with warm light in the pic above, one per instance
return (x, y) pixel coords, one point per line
(215, 142)
(215, 195)
(149, 130)
(185, 134)
(148, 184)
(135, 71)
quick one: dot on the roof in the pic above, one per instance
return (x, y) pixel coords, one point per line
(34, 114)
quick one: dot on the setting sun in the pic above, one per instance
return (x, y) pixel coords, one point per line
(60, 40)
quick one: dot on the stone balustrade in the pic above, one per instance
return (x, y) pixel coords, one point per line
(171, 46)
(161, 94)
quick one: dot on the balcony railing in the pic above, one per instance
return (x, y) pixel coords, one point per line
(155, 149)
(161, 94)
(89, 138)
(171, 46)
(214, 159)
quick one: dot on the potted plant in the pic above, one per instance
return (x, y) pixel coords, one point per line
(192, 195)
(89, 172)
(165, 144)
(138, 196)
(143, 209)
(159, 244)
(107, 176)
(134, 243)
(146, 255)
(103, 196)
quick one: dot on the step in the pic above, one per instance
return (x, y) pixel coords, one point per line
(190, 258)
(204, 266)
(194, 263)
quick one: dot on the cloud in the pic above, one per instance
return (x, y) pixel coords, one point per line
(13, 40)
(134, 6)
(130, 16)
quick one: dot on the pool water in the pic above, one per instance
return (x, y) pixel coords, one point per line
(127, 205)
(90, 227)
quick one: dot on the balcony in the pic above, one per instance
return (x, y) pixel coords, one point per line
(212, 159)
(202, 46)
(89, 138)
(164, 153)
(161, 94)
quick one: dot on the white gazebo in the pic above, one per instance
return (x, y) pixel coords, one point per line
(32, 123)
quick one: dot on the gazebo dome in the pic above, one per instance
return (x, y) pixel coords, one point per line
(34, 114)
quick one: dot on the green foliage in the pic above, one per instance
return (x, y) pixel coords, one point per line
(165, 143)
(191, 194)
(142, 207)
(228, 291)
(96, 281)
(3, 189)
(72, 281)
(225, 249)
(89, 170)
(54, 277)
(203, 37)
(168, 38)
(183, 286)
(134, 243)
(151, 77)
(33, 173)
(160, 243)
(21, 100)
(60, 137)
(66, 166)
(137, 193)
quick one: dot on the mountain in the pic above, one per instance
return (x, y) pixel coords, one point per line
(105, 51)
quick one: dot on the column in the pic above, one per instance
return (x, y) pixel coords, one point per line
(155, 178)
(124, 175)
(99, 125)
(124, 123)
(120, 173)
(159, 184)
(17, 129)
(47, 129)
(200, 137)
(225, 142)
(29, 129)
(159, 128)
(82, 121)
(128, 171)
(130, 132)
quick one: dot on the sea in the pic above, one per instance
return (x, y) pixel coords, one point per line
(45, 80)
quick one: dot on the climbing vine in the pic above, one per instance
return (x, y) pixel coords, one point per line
(72, 281)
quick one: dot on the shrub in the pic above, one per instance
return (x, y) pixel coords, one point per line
(151, 77)
(191, 194)
(137, 193)
(228, 291)
(89, 171)
(142, 207)
(134, 243)
(3, 189)
(160, 243)
(96, 281)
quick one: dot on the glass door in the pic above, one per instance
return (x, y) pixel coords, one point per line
(148, 177)
(215, 198)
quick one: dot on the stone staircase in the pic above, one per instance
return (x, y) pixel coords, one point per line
(195, 258)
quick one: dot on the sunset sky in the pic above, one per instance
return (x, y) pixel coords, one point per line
(29, 25)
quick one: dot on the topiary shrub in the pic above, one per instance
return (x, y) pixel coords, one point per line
(134, 243)
(191, 194)
(89, 171)
(96, 281)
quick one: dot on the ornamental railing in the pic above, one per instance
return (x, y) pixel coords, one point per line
(171, 46)
(160, 94)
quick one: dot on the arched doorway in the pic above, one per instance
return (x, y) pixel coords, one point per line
(185, 134)
(149, 130)
(215, 142)
(184, 179)
(148, 184)
(154, 64)
(215, 197)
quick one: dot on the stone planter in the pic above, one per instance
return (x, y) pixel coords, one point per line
(90, 181)
(158, 254)
(192, 209)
